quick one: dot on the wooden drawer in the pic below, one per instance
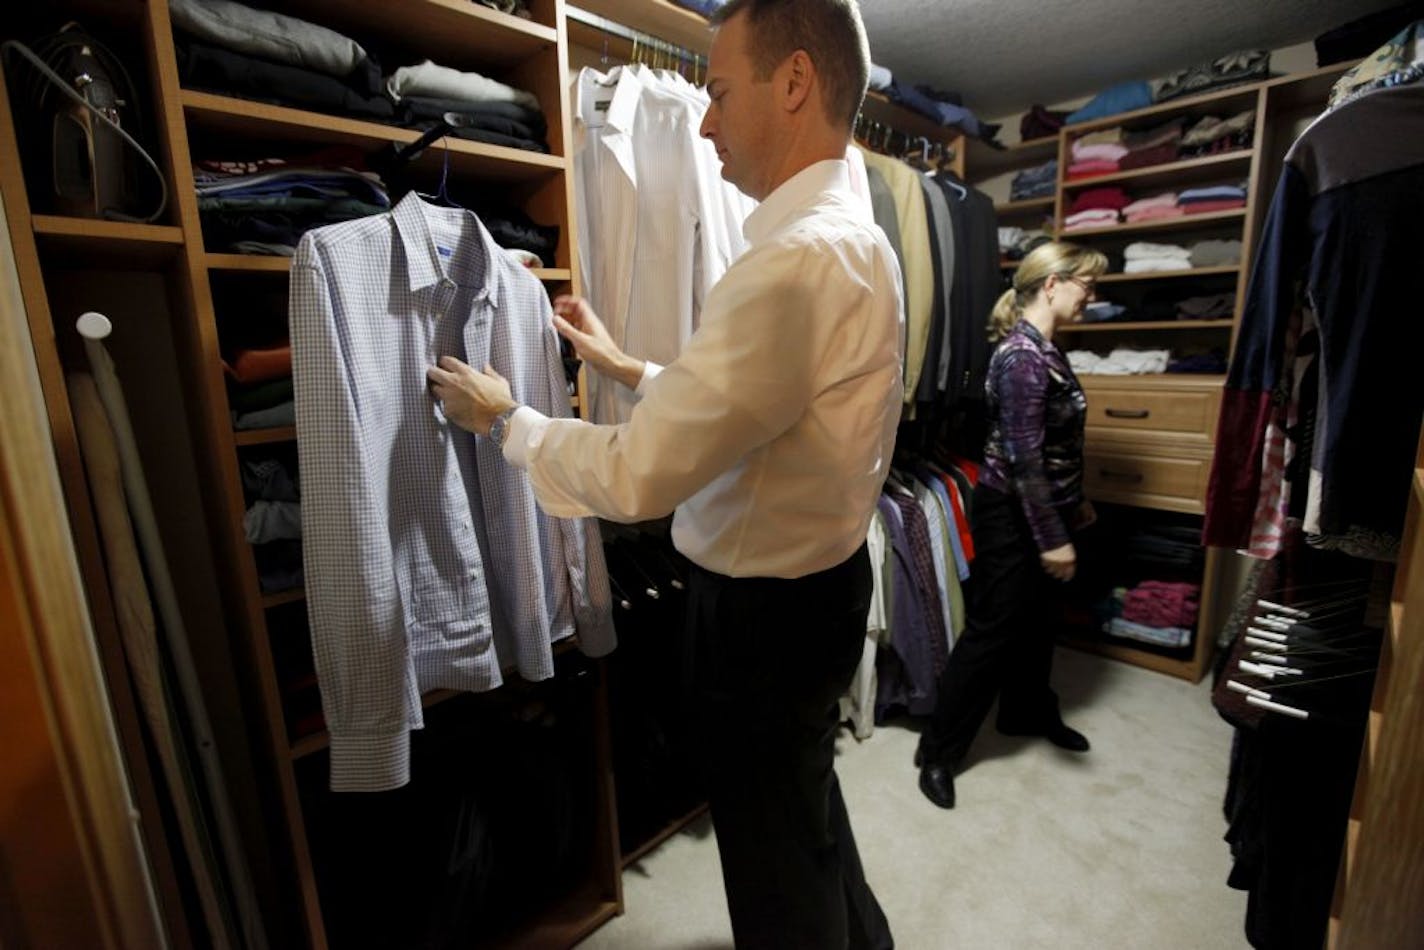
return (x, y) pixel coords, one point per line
(1182, 412)
(1175, 484)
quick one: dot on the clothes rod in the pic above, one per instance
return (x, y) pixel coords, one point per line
(612, 28)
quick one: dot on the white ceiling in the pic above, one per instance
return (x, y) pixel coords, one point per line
(1005, 55)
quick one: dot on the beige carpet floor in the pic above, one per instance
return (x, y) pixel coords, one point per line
(1119, 848)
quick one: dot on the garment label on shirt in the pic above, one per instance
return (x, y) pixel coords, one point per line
(444, 251)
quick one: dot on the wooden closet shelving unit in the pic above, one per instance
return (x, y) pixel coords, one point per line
(1154, 449)
(225, 609)
(1381, 875)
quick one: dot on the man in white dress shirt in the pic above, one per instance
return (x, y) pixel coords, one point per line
(769, 438)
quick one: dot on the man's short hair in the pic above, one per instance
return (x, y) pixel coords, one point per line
(831, 33)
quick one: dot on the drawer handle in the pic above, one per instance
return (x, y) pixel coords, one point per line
(1133, 477)
(1127, 413)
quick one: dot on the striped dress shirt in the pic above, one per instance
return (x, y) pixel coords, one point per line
(428, 563)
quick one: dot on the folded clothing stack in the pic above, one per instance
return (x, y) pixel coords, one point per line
(1156, 208)
(1163, 613)
(260, 386)
(233, 49)
(1092, 218)
(1103, 311)
(1214, 198)
(1163, 603)
(1143, 257)
(1122, 361)
(1097, 153)
(1207, 307)
(1155, 146)
(1229, 70)
(1124, 97)
(1212, 135)
(484, 109)
(1212, 362)
(1024, 242)
(1170, 637)
(1216, 253)
(265, 206)
(1039, 122)
(944, 108)
(273, 522)
(1096, 208)
(1037, 182)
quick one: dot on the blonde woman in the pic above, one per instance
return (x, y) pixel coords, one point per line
(1028, 500)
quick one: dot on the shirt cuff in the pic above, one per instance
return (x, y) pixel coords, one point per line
(650, 372)
(526, 431)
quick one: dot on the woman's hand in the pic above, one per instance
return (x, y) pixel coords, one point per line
(1060, 563)
(577, 323)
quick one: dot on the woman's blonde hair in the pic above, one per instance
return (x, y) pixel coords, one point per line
(1055, 257)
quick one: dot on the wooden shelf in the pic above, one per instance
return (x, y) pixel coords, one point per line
(658, 18)
(255, 263)
(295, 595)
(1189, 670)
(93, 242)
(1006, 208)
(259, 121)
(565, 925)
(452, 32)
(1177, 173)
(1310, 89)
(1147, 325)
(314, 743)
(663, 834)
(553, 274)
(1233, 98)
(1184, 223)
(986, 161)
(265, 436)
(1188, 272)
(317, 741)
(878, 107)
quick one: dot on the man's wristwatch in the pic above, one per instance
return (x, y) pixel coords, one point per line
(499, 429)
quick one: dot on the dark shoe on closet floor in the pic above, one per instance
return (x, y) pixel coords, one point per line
(937, 783)
(1057, 733)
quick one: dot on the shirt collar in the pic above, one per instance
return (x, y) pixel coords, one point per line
(793, 195)
(627, 87)
(1032, 332)
(423, 265)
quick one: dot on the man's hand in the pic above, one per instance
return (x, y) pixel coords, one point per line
(577, 323)
(469, 398)
(1060, 563)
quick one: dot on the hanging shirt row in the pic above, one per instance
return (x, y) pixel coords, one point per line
(657, 225)
(946, 236)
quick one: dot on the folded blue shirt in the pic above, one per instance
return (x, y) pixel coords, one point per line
(1124, 97)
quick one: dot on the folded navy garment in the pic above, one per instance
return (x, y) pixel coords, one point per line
(1214, 193)
(490, 138)
(228, 73)
(524, 122)
(945, 113)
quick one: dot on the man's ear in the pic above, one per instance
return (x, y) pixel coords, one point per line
(798, 76)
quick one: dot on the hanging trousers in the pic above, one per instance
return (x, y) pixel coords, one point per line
(765, 663)
(1006, 649)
